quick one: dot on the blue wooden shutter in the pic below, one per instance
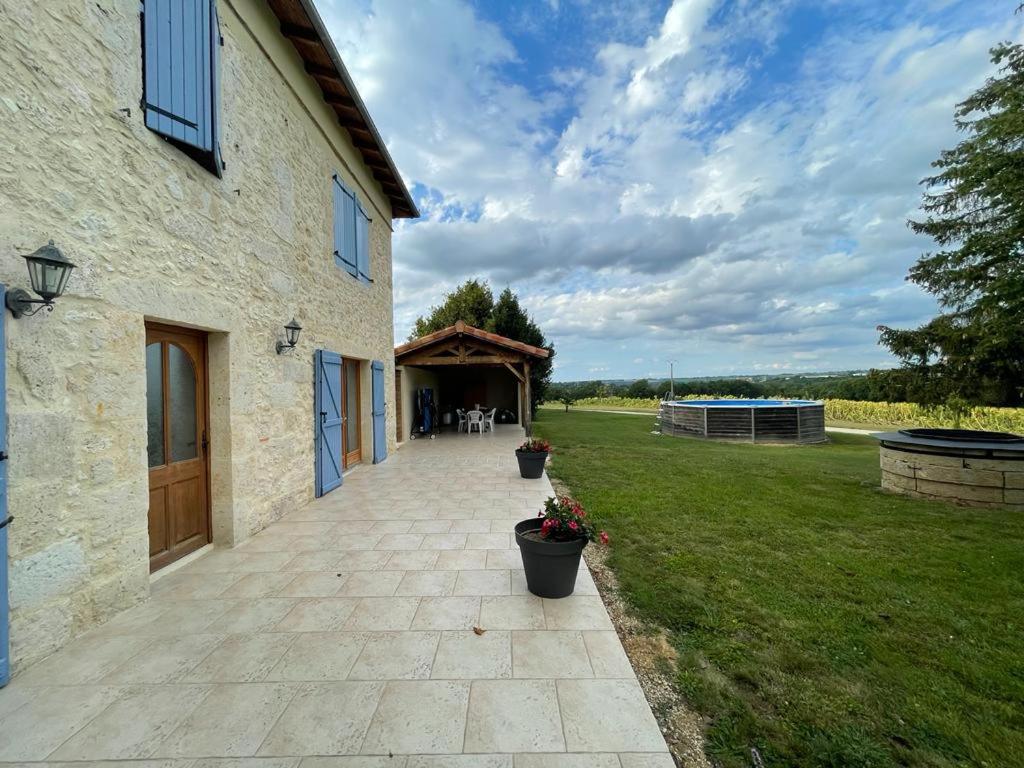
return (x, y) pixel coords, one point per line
(327, 420)
(380, 439)
(345, 227)
(181, 39)
(362, 243)
(5, 658)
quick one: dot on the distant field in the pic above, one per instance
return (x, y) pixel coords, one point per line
(853, 413)
(816, 618)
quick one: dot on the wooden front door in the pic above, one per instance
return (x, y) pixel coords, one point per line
(176, 410)
(351, 434)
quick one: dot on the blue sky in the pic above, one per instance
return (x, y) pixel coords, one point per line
(724, 183)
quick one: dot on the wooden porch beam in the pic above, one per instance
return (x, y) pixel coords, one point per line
(489, 359)
(528, 410)
(515, 373)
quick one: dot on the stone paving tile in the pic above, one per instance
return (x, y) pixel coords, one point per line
(427, 584)
(259, 584)
(253, 657)
(412, 561)
(317, 584)
(324, 719)
(567, 761)
(459, 761)
(607, 657)
(371, 584)
(654, 760)
(576, 612)
(487, 541)
(471, 582)
(447, 613)
(444, 541)
(465, 655)
(396, 541)
(396, 656)
(242, 659)
(383, 614)
(48, 717)
(431, 526)
(547, 654)
(514, 716)
(607, 716)
(419, 717)
(512, 612)
(165, 660)
(134, 725)
(317, 614)
(460, 560)
(258, 615)
(319, 657)
(504, 559)
(86, 660)
(232, 720)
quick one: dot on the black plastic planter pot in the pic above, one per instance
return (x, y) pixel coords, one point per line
(551, 566)
(531, 463)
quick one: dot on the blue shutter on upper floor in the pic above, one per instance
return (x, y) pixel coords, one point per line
(181, 41)
(345, 253)
(362, 243)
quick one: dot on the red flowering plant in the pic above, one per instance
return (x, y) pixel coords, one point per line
(565, 519)
(535, 445)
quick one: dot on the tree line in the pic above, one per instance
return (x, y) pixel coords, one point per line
(892, 386)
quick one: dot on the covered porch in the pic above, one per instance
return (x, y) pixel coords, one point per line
(463, 368)
(347, 629)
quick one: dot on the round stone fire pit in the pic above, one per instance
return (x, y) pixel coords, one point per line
(973, 467)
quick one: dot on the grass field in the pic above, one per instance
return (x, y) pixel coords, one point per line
(817, 619)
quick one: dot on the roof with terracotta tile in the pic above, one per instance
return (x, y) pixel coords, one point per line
(461, 329)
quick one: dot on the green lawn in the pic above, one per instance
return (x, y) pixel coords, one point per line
(817, 618)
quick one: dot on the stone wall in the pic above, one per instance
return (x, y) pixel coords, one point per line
(157, 237)
(976, 482)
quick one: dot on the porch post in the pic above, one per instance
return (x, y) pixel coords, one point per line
(527, 410)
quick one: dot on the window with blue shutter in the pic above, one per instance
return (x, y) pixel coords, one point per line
(181, 82)
(351, 232)
(362, 243)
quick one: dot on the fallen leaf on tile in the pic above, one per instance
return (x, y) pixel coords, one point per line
(479, 630)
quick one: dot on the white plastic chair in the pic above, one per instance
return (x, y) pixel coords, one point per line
(475, 418)
(489, 419)
(462, 418)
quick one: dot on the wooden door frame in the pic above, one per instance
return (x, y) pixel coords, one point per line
(203, 338)
(345, 452)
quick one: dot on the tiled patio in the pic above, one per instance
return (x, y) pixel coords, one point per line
(342, 636)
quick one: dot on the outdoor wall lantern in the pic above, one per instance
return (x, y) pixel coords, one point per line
(291, 334)
(48, 271)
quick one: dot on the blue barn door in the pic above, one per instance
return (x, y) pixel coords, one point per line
(380, 438)
(328, 421)
(5, 657)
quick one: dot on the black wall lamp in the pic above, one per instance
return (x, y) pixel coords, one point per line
(48, 271)
(291, 334)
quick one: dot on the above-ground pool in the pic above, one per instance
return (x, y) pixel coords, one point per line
(755, 421)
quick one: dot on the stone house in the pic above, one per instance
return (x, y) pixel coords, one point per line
(211, 170)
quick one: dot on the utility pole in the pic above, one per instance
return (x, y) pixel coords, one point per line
(672, 380)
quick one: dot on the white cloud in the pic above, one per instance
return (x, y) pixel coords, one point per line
(665, 190)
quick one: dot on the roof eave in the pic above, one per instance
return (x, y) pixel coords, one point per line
(408, 208)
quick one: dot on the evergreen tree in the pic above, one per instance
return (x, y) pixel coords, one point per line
(509, 319)
(975, 212)
(472, 303)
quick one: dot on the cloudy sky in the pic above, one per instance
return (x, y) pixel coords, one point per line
(725, 183)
